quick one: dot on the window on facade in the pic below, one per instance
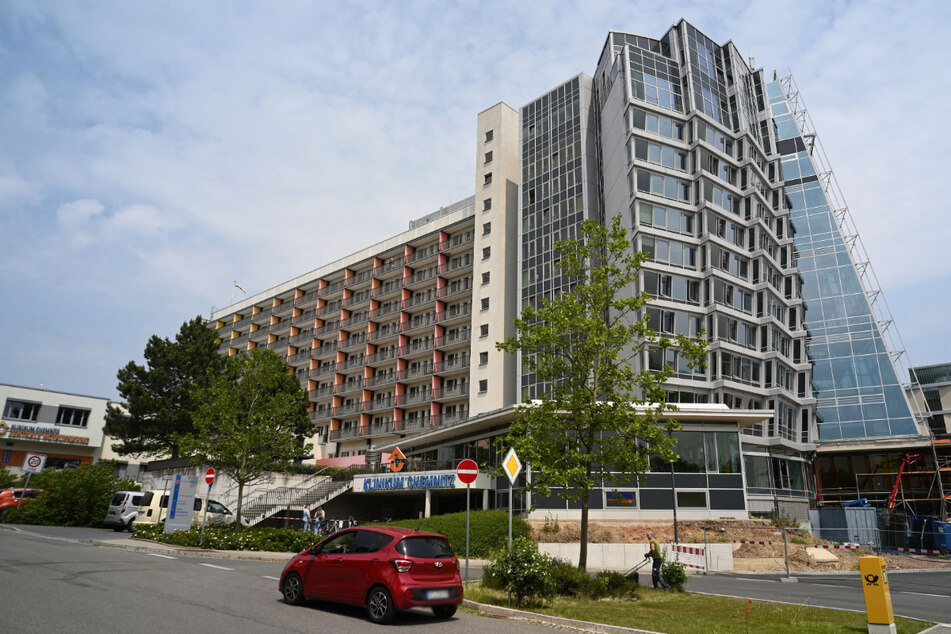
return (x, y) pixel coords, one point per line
(486, 228)
(483, 358)
(21, 410)
(488, 135)
(72, 416)
(485, 278)
(488, 179)
(486, 251)
(692, 499)
(485, 303)
(487, 204)
(484, 330)
(488, 157)
(483, 386)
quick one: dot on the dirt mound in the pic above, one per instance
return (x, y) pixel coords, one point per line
(726, 531)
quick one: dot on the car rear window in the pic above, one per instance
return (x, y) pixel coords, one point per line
(425, 547)
(117, 499)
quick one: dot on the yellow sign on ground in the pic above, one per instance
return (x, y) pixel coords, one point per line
(878, 597)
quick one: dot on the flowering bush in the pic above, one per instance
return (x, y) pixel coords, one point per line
(524, 572)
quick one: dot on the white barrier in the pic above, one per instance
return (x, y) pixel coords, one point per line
(623, 557)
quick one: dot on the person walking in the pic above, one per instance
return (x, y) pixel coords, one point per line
(655, 554)
(319, 520)
(307, 518)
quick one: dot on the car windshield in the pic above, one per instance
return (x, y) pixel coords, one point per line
(425, 547)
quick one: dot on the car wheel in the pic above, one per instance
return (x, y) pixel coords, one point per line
(444, 611)
(380, 606)
(129, 526)
(293, 589)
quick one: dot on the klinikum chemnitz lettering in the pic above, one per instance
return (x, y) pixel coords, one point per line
(410, 482)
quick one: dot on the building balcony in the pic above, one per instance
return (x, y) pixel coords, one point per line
(380, 356)
(324, 370)
(457, 242)
(307, 336)
(278, 345)
(454, 339)
(356, 320)
(306, 300)
(456, 264)
(422, 254)
(415, 372)
(455, 313)
(332, 309)
(241, 323)
(352, 342)
(383, 334)
(259, 335)
(415, 398)
(321, 392)
(420, 278)
(380, 379)
(386, 309)
(456, 391)
(416, 323)
(349, 364)
(299, 357)
(238, 341)
(358, 279)
(283, 309)
(331, 328)
(388, 267)
(305, 318)
(457, 287)
(346, 410)
(451, 365)
(385, 290)
(328, 347)
(412, 424)
(280, 327)
(416, 348)
(356, 299)
(348, 387)
(262, 317)
(331, 289)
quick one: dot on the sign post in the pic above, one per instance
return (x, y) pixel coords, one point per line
(209, 480)
(512, 466)
(467, 472)
(33, 463)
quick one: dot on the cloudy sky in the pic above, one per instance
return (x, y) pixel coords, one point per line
(152, 153)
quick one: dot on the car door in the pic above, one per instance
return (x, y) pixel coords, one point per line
(365, 564)
(328, 576)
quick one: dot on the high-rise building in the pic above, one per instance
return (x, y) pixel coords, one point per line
(719, 177)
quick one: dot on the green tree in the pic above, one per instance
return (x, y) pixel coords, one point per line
(158, 396)
(250, 419)
(75, 497)
(598, 420)
(7, 479)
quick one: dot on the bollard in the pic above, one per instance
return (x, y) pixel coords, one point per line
(878, 598)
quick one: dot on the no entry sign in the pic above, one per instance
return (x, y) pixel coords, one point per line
(467, 471)
(210, 475)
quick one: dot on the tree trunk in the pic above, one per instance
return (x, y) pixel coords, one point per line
(583, 555)
(237, 520)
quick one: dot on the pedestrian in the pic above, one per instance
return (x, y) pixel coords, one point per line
(307, 518)
(321, 517)
(654, 552)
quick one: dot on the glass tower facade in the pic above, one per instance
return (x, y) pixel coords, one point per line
(854, 381)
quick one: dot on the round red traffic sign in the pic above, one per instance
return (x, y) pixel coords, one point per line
(34, 461)
(210, 475)
(467, 471)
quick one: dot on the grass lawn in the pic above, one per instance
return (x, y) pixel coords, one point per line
(687, 613)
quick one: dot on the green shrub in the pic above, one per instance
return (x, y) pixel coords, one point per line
(673, 573)
(227, 538)
(568, 579)
(487, 529)
(525, 572)
(75, 497)
(613, 584)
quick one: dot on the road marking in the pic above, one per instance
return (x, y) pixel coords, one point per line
(755, 580)
(267, 577)
(924, 594)
(162, 556)
(216, 567)
(827, 585)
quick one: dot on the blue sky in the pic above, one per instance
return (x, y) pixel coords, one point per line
(153, 153)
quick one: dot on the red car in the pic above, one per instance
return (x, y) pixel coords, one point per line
(384, 568)
(10, 498)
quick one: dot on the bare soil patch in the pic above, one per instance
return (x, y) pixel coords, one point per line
(725, 531)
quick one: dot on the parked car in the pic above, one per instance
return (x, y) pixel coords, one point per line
(122, 510)
(384, 568)
(153, 508)
(10, 498)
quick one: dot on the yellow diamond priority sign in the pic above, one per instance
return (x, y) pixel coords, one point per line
(512, 465)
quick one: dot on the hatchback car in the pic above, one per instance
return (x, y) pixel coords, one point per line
(10, 498)
(384, 568)
(123, 508)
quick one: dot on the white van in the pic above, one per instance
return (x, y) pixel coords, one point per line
(153, 508)
(123, 509)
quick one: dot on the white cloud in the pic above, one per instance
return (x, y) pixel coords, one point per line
(77, 214)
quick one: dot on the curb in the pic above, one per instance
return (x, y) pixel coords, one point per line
(520, 615)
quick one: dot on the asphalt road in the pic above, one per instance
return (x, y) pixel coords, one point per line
(57, 583)
(918, 595)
